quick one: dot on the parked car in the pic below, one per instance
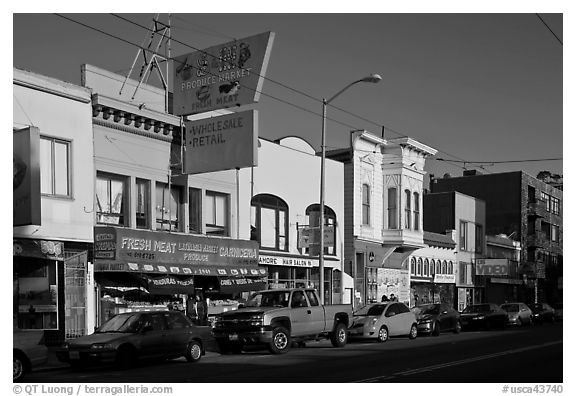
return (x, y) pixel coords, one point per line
(278, 317)
(384, 320)
(436, 318)
(519, 314)
(28, 352)
(486, 316)
(128, 337)
(542, 312)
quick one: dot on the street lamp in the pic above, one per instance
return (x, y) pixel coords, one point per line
(373, 78)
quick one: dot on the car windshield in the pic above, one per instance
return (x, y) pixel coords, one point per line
(432, 309)
(477, 308)
(371, 310)
(269, 299)
(510, 308)
(121, 324)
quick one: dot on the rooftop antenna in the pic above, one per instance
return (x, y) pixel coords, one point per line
(159, 35)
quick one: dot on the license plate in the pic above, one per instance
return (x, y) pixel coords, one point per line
(233, 337)
(74, 355)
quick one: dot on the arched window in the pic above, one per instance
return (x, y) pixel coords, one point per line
(365, 204)
(313, 217)
(407, 209)
(392, 209)
(450, 268)
(420, 266)
(438, 267)
(444, 267)
(269, 222)
(426, 267)
(416, 211)
(413, 266)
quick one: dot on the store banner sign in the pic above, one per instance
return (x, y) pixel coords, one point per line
(238, 285)
(288, 261)
(158, 248)
(225, 75)
(220, 143)
(491, 267)
(167, 284)
(26, 177)
(444, 278)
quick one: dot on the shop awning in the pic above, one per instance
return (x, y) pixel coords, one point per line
(153, 284)
(179, 269)
(229, 285)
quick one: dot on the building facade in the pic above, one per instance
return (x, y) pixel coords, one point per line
(527, 210)
(466, 216)
(383, 187)
(500, 270)
(53, 200)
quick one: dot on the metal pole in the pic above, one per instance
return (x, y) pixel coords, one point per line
(237, 203)
(322, 187)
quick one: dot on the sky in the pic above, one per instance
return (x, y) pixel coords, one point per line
(474, 86)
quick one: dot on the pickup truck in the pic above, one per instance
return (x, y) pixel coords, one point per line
(278, 317)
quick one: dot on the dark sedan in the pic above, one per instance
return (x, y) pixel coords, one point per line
(436, 318)
(128, 337)
(483, 316)
(542, 312)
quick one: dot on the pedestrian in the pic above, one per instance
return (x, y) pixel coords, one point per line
(384, 298)
(191, 309)
(393, 298)
(201, 311)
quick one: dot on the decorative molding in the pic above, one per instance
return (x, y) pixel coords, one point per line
(131, 129)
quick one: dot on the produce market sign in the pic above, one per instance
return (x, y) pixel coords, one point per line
(220, 143)
(153, 248)
(222, 76)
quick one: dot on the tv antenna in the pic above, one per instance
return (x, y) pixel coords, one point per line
(159, 35)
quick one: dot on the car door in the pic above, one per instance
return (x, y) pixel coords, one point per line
(446, 317)
(299, 314)
(178, 332)
(393, 320)
(406, 317)
(153, 337)
(316, 318)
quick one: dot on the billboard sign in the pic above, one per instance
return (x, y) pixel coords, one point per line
(222, 76)
(26, 177)
(492, 267)
(220, 143)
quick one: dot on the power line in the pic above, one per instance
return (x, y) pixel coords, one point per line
(501, 162)
(551, 31)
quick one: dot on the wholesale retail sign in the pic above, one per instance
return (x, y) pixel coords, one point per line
(220, 143)
(221, 76)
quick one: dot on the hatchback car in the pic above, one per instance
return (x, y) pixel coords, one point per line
(384, 320)
(28, 352)
(518, 314)
(486, 316)
(128, 337)
(436, 318)
(542, 312)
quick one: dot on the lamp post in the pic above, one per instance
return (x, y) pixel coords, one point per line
(373, 78)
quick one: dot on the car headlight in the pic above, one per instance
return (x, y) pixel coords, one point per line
(481, 317)
(257, 320)
(425, 321)
(100, 347)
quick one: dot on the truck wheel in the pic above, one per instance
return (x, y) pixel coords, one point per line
(339, 336)
(280, 341)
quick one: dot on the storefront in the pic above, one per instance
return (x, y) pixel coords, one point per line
(302, 271)
(148, 270)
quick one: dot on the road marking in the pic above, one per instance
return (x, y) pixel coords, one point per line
(458, 362)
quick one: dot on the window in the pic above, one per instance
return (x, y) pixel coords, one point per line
(313, 218)
(463, 272)
(555, 233)
(426, 267)
(444, 267)
(413, 266)
(438, 267)
(55, 167)
(298, 300)
(450, 268)
(270, 222)
(478, 248)
(555, 205)
(143, 203)
(419, 267)
(365, 204)
(312, 298)
(167, 207)
(216, 214)
(546, 198)
(416, 211)
(463, 235)
(392, 209)
(110, 199)
(195, 210)
(407, 209)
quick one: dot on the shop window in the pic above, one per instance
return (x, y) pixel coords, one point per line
(55, 167)
(143, 203)
(392, 209)
(111, 198)
(313, 218)
(416, 211)
(407, 210)
(217, 214)
(365, 204)
(168, 207)
(36, 294)
(195, 210)
(270, 222)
